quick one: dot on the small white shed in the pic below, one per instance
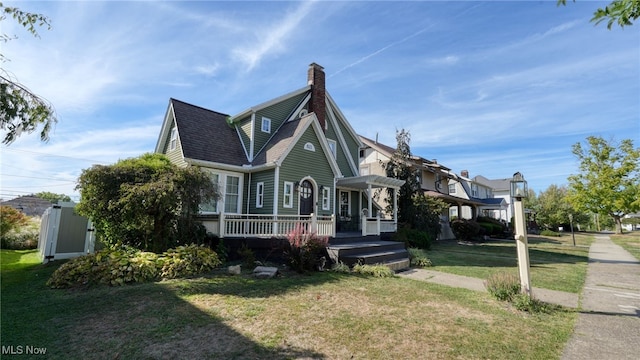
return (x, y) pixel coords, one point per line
(64, 234)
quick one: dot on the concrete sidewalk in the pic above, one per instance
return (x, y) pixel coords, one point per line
(608, 326)
(566, 299)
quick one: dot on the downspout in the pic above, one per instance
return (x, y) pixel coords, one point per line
(276, 192)
(248, 194)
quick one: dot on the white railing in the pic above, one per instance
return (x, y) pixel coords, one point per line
(247, 225)
(370, 226)
(388, 226)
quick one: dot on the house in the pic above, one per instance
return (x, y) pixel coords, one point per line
(482, 198)
(436, 180)
(501, 189)
(293, 160)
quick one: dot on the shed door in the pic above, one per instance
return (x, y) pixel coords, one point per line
(306, 198)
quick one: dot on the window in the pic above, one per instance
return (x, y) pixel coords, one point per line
(232, 195)
(474, 190)
(453, 212)
(212, 206)
(287, 199)
(364, 170)
(333, 146)
(266, 125)
(173, 139)
(326, 202)
(452, 188)
(345, 204)
(309, 146)
(259, 194)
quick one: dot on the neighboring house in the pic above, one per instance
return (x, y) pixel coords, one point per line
(29, 205)
(482, 198)
(291, 160)
(436, 180)
(501, 189)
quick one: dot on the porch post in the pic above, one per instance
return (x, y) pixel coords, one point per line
(314, 223)
(221, 224)
(395, 207)
(370, 213)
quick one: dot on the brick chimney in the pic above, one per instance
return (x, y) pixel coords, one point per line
(315, 78)
(464, 173)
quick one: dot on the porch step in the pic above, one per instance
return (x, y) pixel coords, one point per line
(390, 253)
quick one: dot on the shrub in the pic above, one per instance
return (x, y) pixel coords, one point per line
(465, 229)
(524, 302)
(373, 270)
(187, 260)
(18, 231)
(549, 233)
(305, 249)
(413, 238)
(128, 265)
(340, 267)
(248, 256)
(503, 286)
(418, 257)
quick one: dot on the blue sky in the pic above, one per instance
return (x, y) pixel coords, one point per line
(490, 87)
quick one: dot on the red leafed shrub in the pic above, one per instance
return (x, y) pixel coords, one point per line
(306, 249)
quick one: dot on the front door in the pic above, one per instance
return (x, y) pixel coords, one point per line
(306, 198)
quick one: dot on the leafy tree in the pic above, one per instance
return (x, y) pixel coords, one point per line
(10, 219)
(20, 109)
(146, 202)
(53, 197)
(400, 167)
(618, 11)
(609, 180)
(415, 210)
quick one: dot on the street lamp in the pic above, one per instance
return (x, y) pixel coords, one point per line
(519, 191)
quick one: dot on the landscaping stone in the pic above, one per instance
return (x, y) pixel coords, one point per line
(265, 271)
(234, 270)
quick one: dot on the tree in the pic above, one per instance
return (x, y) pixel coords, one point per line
(22, 111)
(609, 180)
(553, 208)
(619, 11)
(53, 197)
(146, 202)
(10, 219)
(400, 167)
(415, 210)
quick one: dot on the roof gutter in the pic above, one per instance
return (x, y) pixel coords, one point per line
(247, 168)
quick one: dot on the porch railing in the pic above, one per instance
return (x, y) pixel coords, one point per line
(375, 226)
(248, 225)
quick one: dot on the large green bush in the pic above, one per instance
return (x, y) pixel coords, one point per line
(464, 229)
(414, 238)
(18, 231)
(129, 265)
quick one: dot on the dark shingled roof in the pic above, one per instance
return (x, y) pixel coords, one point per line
(281, 140)
(206, 135)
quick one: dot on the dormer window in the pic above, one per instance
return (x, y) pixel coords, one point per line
(266, 125)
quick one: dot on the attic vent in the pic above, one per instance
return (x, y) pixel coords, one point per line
(309, 146)
(303, 113)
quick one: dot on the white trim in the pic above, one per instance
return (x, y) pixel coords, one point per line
(276, 189)
(265, 126)
(309, 147)
(354, 168)
(173, 138)
(326, 198)
(269, 103)
(285, 203)
(260, 194)
(334, 150)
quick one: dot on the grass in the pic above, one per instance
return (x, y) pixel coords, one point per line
(554, 262)
(324, 315)
(629, 241)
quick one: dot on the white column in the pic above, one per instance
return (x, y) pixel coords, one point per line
(522, 246)
(395, 208)
(370, 213)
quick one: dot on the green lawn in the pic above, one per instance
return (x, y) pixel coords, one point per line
(324, 315)
(555, 263)
(630, 241)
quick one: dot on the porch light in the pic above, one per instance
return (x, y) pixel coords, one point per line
(519, 187)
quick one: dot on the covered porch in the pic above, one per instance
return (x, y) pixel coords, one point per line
(365, 185)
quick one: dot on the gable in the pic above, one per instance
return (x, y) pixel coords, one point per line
(204, 135)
